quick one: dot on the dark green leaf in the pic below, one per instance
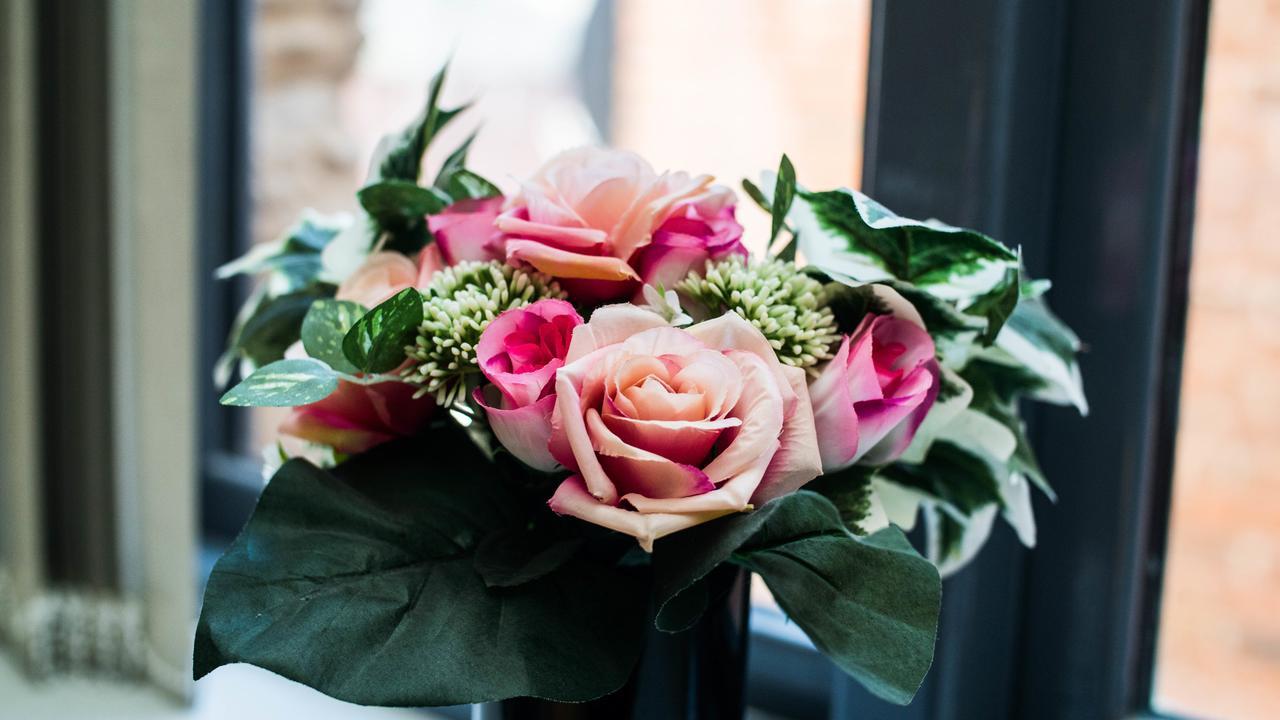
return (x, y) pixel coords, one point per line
(274, 324)
(402, 158)
(1045, 346)
(850, 491)
(376, 343)
(396, 202)
(962, 477)
(754, 192)
(515, 556)
(997, 305)
(325, 327)
(361, 583)
(784, 193)
(466, 185)
(284, 383)
(870, 604)
(852, 237)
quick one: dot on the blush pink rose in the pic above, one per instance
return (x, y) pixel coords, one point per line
(588, 211)
(870, 399)
(519, 353)
(665, 428)
(466, 231)
(383, 274)
(357, 417)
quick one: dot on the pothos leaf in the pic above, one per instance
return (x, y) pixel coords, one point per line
(376, 342)
(324, 328)
(284, 383)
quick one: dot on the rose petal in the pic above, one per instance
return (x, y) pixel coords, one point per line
(572, 499)
(895, 441)
(610, 325)
(563, 263)
(761, 410)
(797, 460)
(524, 431)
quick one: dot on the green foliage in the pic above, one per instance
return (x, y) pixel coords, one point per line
(376, 342)
(397, 203)
(362, 583)
(998, 304)
(284, 383)
(401, 154)
(784, 193)
(870, 604)
(324, 328)
(964, 477)
(268, 325)
(459, 183)
(853, 238)
(1035, 339)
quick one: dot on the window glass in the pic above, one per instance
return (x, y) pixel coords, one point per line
(1219, 650)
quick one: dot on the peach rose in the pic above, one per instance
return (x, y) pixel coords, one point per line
(385, 273)
(666, 428)
(584, 216)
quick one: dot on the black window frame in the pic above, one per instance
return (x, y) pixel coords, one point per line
(1068, 128)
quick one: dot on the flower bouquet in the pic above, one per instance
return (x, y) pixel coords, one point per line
(530, 432)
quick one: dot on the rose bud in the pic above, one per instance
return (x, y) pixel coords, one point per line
(357, 417)
(465, 231)
(519, 354)
(666, 428)
(871, 398)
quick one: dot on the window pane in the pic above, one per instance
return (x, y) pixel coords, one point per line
(1219, 653)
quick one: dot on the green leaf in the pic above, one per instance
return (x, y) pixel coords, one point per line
(870, 604)
(855, 239)
(376, 343)
(784, 193)
(850, 491)
(294, 257)
(397, 202)
(753, 191)
(401, 154)
(997, 305)
(996, 391)
(1042, 344)
(325, 327)
(274, 323)
(963, 477)
(466, 185)
(284, 383)
(515, 556)
(361, 583)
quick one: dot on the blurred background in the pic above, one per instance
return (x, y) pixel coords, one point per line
(1133, 152)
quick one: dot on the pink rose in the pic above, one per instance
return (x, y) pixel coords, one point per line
(870, 399)
(519, 353)
(357, 417)
(666, 428)
(696, 232)
(588, 211)
(465, 231)
(383, 274)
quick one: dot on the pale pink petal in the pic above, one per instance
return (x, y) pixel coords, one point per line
(572, 499)
(566, 238)
(382, 275)
(610, 325)
(797, 460)
(761, 410)
(682, 442)
(562, 263)
(525, 431)
(731, 332)
(569, 432)
(733, 496)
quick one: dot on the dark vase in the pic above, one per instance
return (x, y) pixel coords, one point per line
(698, 674)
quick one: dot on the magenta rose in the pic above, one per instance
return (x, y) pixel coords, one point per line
(585, 217)
(665, 428)
(465, 231)
(519, 354)
(870, 399)
(697, 232)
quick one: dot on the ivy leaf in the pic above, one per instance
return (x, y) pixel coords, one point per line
(849, 490)
(784, 193)
(376, 342)
(1042, 344)
(284, 383)
(325, 327)
(855, 239)
(398, 202)
(870, 604)
(361, 583)
(997, 305)
(963, 477)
